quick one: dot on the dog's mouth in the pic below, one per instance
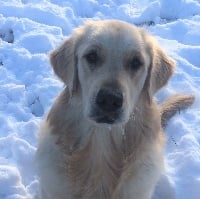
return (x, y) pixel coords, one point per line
(105, 120)
(103, 117)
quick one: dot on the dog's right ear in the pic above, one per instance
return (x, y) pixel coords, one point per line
(63, 61)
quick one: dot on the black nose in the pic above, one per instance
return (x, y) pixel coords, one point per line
(109, 100)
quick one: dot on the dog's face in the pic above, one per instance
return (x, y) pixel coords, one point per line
(112, 63)
(112, 69)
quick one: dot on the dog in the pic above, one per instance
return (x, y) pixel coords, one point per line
(103, 137)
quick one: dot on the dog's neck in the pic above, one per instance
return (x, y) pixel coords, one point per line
(95, 155)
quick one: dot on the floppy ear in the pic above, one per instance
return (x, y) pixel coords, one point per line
(161, 69)
(64, 64)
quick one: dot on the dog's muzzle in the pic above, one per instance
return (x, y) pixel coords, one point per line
(108, 105)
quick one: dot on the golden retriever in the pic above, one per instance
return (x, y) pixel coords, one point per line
(103, 137)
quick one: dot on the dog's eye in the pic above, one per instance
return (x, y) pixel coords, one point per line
(92, 57)
(135, 63)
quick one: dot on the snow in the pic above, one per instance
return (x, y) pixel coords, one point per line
(29, 29)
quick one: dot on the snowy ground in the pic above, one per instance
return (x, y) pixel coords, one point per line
(29, 29)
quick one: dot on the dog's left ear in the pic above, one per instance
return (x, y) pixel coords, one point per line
(160, 70)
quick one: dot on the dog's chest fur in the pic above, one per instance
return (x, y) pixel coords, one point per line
(94, 166)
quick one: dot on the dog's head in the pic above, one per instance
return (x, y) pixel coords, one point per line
(111, 63)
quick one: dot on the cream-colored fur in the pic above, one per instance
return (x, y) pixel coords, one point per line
(80, 158)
